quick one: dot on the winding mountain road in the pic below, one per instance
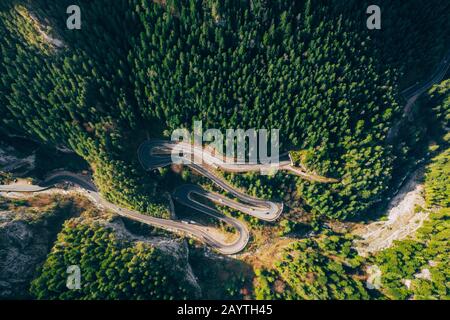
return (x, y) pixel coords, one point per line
(154, 154)
(158, 153)
(196, 231)
(185, 194)
(412, 93)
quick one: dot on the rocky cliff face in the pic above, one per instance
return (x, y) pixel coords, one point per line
(27, 236)
(24, 245)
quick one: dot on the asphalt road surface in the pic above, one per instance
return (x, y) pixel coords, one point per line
(196, 231)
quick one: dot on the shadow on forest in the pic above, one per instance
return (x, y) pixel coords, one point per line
(221, 277)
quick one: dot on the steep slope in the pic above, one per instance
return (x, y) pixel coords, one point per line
(26, 237)
(139, 68)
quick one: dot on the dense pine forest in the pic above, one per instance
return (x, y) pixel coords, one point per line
(143, 68)
(139, 69)
(321, 269)
(128, 270)
(423, 260)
